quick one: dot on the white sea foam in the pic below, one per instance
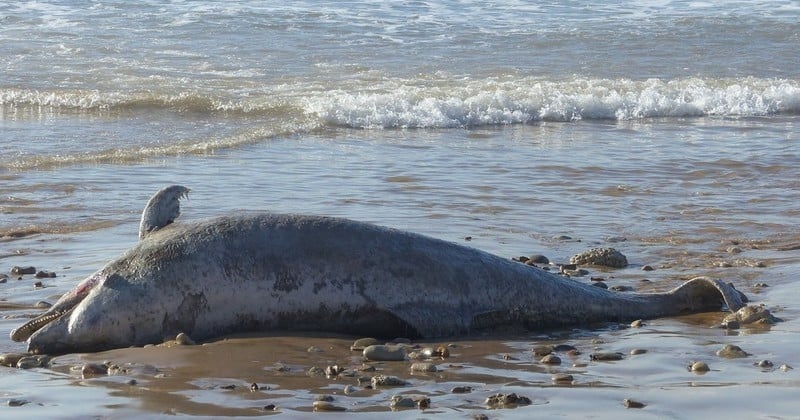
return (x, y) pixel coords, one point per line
(491, 102)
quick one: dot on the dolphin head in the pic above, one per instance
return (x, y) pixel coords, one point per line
(98, 314)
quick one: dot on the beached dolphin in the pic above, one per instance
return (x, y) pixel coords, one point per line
(260, 272)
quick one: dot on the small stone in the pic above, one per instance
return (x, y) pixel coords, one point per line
(11, 359)
(42, 274)
(538, 259)
(564, 348)
(635, 352)
(637, 324)
(731, 351)
(699, 367)
(327, 407)
(550, 359)
(562, 378)
(506, 400)
(326, 398)
(362, 343)
(442, 352)
(401, 402)
(183, 339)
(648, 268)
(254, 387)
(606, 356)
(21, 271)
(36, 361)
(761, 285)
(38, 285)
(461, 390)
(541, 351)
(384, 380)
(384, 353)
(784, 367)
(733, 250)
(621, 288)
(349, 389)
(333, 371)
(270, 407)
(423, 403)
(607, 257)
(42, 305)
(752, 314)
(632, 404)
(228, 387)
(600, 284)
(423, 367)
(93, 369)
(314, 349)
(16, 402)
(315, 371)
(764, 364)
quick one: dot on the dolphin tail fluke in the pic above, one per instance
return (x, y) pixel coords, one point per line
(162, 209)
(702, 293)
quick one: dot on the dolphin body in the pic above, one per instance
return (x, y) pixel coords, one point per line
(264, 271)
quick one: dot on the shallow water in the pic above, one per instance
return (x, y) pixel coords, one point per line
(665, 129)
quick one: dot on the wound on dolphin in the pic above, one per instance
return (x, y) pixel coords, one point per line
(266, 272)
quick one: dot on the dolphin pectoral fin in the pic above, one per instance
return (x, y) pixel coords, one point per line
(704, 293)
(162, 209)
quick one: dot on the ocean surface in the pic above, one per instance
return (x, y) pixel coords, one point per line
(666, 129)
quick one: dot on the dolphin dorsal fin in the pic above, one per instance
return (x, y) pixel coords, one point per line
(162, 209)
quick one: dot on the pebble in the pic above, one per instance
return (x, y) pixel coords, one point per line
(42, 274)
(637, 324)
(540, 351)
(315, 371)
(350, 389)
(607, 257)
(761, 285)
(254, 387)
(29, 362)
(648, 268)
(550, 359)
(506, 400)
(93, 369)
(562, 378)
(16, 402)
(333, 371)
(731, 351)
(638, 351)
(606, 356)
(184, 340)
(784, 367)
(38, 285)
(327, 406)
(564, 348)
(600, 284)
(750, 314)
(21, 271)
(362, 343)
(423, 367)
(384, 353)
(400, 402)
(539, 259)
(384, 380)
(42, 305)
(765, 364)
(11, 359)
(700, 367)
(628, 403)
(621, 288)
(461, 389)
(314, 349)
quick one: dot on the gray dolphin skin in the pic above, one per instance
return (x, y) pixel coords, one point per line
(263, 271)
